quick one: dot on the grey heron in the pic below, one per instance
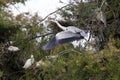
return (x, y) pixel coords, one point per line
(71, 28)
(69, 34)
(61, 38)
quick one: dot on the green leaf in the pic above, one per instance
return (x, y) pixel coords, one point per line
(1, 74)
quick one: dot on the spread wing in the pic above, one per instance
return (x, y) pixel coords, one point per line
(61, 38)
(67, 36)
(52, 43)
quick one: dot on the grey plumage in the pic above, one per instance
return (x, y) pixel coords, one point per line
(68, 34)
(61, 38)
(71, 28)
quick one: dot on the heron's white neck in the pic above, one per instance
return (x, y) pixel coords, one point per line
(32, 59)
(62, 27)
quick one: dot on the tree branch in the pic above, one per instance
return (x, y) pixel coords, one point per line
(43, 35)
(31, 38)
(55, 12)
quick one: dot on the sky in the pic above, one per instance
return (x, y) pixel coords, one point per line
(42, 7)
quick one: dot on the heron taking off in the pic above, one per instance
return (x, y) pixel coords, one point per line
(70, 28)
(68, 34)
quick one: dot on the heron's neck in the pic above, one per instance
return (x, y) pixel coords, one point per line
(62, 27)
(32, 60)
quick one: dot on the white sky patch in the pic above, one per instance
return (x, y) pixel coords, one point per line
(42, 7)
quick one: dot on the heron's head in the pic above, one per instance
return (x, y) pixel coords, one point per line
(32, 56)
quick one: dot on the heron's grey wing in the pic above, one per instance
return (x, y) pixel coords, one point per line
(52, 43)
(76, 30)
(67, 36)
(61, 38)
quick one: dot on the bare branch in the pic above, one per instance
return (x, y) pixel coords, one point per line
(55, 11)
(43, 35)
(31, 38)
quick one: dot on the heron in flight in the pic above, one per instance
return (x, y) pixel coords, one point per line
(68, 34)
(70, 28)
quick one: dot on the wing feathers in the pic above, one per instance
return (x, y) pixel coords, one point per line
(61, 38)
(50, 44)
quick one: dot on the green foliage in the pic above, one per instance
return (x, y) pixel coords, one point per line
(1, 74)
(70, 64)
(5, 2)
(117, 44)
(76, 66)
